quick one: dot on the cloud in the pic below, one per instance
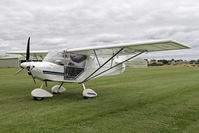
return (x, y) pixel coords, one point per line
(107, 38)
(65, 24)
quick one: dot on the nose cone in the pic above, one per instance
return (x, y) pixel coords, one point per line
(25, 64)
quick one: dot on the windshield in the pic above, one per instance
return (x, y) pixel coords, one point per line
(59, 58)
(54, 57)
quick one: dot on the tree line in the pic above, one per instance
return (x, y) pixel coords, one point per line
(161, 62)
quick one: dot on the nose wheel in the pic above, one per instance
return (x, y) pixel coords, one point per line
(39, 94)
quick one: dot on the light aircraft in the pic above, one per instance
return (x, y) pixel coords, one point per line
(79, 65)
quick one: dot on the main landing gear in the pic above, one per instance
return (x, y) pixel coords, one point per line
(88, 93)
(57, 89)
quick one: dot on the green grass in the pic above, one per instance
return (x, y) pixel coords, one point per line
(153, 100)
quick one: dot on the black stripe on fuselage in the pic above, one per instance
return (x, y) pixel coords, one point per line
(53, 73)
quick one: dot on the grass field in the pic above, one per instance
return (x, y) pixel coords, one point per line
(153, 100)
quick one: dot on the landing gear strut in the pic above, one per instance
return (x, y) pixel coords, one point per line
(88, 93)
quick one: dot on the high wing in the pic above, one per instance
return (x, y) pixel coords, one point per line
(130, 48)
(133, 49)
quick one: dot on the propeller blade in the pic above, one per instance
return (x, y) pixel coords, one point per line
(33, 79)
(18, 71)
(46, 84)
(28, 50)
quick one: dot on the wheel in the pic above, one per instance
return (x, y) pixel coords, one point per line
(56, 93)
(38, 98)
(85, 97)
(56, 89)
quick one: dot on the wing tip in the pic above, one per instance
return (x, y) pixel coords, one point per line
(181, 44)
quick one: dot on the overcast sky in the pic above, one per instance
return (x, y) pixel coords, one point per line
(54, 24)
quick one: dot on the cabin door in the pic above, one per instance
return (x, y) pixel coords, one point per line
(74, 67)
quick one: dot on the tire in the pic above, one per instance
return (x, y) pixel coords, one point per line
(85, 97)
(38, 98)
(56, 93)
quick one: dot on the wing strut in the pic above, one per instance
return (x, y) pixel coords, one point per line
(102, 65)
(89, 78)
(96, 57)
(112, 61)
(41, 57)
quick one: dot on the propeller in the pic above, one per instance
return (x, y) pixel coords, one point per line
(23, 65)
(33, 79)
(27, 57)
(21, 69)
(28, 50)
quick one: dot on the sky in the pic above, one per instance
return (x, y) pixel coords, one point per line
(62, 24)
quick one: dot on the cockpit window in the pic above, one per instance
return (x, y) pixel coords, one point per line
(74, 64)
(68, 59)
(55, 57)
(78, 58)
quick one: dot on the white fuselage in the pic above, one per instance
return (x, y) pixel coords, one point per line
(48, 71)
